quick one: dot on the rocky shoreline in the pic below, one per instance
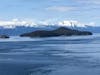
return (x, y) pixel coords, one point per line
(4, 36)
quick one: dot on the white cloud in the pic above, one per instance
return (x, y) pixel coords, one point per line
(61, 8)
(96, 2)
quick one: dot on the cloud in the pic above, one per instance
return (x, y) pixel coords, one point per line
(61, 8)
(96, 2)
(89, 6)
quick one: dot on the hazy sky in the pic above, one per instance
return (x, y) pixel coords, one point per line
(51, 10)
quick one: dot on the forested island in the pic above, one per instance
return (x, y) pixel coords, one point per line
(61, 31)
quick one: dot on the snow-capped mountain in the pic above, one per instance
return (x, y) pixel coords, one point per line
(16, 27)
(22, 29)
(29, 23)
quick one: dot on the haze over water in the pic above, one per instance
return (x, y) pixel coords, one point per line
(76, 55)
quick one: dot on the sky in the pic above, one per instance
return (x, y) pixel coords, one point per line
(50, 11)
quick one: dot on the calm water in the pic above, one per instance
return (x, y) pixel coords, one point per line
(77, 55)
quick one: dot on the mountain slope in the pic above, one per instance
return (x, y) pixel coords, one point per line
(22, 29)
(62, 31)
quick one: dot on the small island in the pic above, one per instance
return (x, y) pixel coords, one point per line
(62, 31)
(4, 36)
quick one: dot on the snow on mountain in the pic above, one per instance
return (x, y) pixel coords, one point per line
(17, 27)
(27, 23)
(72, 23)
(15, 22)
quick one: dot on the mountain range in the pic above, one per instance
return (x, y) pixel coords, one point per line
(23, 29)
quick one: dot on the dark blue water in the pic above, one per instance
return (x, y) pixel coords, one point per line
(77, 55)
